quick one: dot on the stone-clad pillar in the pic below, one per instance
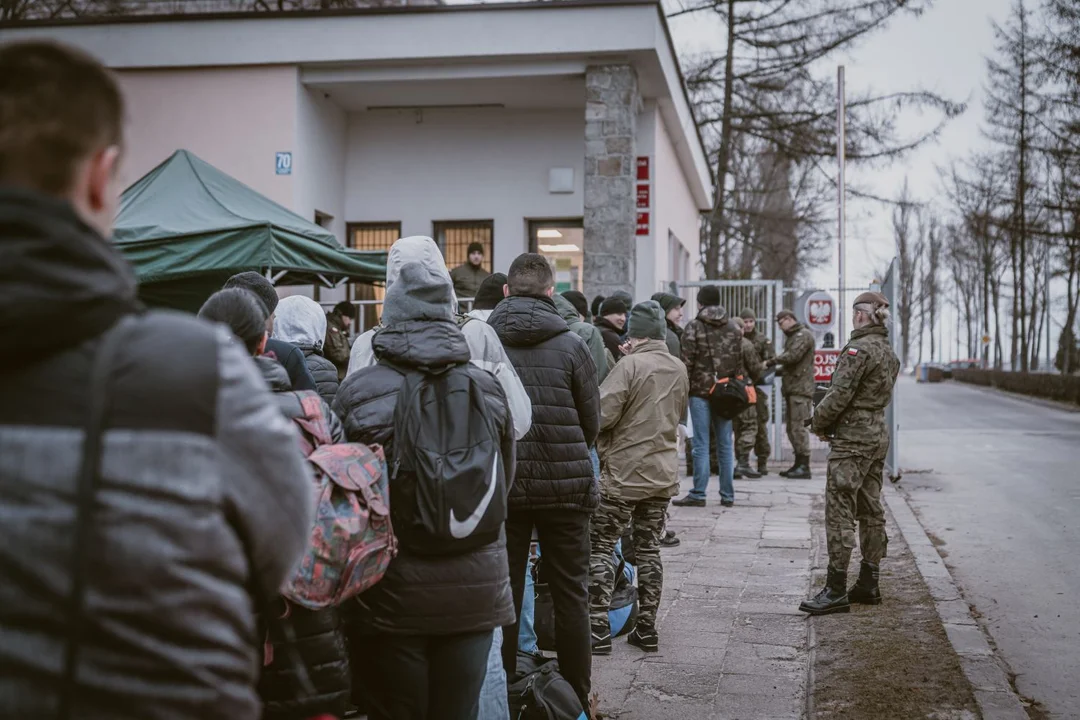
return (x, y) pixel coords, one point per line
(611, 109)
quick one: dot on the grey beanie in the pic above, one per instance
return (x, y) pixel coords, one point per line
(418, 294)
(647, 320)
(627, 298)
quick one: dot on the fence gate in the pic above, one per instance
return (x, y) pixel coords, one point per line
(766, 298)
(891, 290)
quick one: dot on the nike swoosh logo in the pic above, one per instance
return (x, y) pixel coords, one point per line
(461, 529)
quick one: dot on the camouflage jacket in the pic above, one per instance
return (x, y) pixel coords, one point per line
(711, 348)
(853, 411)
(798, 362)
(753, 368)
(762, 345)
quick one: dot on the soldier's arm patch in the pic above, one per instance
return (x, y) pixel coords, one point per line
(853, 351)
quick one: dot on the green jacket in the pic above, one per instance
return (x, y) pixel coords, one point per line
(753, 368)
(853, 411)
(587, 332)
(641, 403)
(467, 279)
(798, 362)
(762, 345)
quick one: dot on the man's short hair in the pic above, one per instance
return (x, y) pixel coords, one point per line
(530, 274)
(255, 283)
(345, 309)
(58, 106)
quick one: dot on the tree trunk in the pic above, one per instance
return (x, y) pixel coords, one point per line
(718, 222)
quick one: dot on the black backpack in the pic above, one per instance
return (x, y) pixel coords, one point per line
(447, 485)
(539, 692)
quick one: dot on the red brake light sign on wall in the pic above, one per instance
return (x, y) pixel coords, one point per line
(644, 196)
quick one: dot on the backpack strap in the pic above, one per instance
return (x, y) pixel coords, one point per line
(86, 490)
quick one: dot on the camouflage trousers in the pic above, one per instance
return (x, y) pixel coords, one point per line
(647, 519)
(752, 431)
(853, 493)
(799, 409)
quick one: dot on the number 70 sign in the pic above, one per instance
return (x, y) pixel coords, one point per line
(283, 163)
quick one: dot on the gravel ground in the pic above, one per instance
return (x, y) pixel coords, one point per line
(889, 661)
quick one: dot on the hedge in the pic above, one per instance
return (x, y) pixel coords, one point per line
(1065, 388)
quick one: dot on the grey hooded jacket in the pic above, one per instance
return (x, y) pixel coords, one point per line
(203, 497)
(301, 321)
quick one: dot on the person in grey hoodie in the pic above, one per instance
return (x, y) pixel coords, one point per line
(302, 322)
(128, 578)
(485, 349)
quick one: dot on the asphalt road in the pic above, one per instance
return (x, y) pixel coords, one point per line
(995, 481)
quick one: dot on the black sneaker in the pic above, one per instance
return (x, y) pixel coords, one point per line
(669, 540)
(727, 503)
(645, 639)
(689, 501)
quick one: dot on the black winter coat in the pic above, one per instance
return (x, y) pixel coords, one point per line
(324, 372)
(612, 337)
(554, 470)
(426, 595)
(292, 359)
(317, 639)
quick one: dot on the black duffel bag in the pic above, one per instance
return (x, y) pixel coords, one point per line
(729, 396)
(538, 692)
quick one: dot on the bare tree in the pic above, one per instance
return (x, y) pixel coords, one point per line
(930, 235)
(764, 85)
(909, 250)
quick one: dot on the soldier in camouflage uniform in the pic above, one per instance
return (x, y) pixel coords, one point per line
(852, 418)
(641, 401)
(752, 433)
(746, 424)
(798, 386)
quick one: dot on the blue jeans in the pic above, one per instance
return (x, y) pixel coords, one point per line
(595, 463)
(703, 419)
(527, 630)
(493, 701)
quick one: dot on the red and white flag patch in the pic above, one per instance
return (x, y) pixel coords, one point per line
(853, 351)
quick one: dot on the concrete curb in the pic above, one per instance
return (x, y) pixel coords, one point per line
(986, 673)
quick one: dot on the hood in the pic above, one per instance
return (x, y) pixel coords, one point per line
(566, 309)
(300, 320)
(419, 293)
(480, 314)
(62, 282)
(274, 373)
(524, 321)
(417, 249)
(713, 315)
(650, 345)
(421, 344)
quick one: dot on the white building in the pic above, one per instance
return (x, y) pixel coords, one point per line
(522, 126)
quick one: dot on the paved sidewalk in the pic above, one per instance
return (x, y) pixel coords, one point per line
(733, 645)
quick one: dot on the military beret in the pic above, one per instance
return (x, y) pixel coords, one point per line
(872, 298)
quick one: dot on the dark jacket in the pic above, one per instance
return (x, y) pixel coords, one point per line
(324, 372)
(203, 498)
(711, 349)
(674, 338)
(292, 359)
(612, 337)
(336, 343)
(317, 640)
(467, 279)
(798, 362)
(554, 470)
(425, 595)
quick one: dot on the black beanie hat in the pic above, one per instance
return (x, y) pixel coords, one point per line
(490, 292)
(612, 306)
(578, 300)
(708, 296)
(476, 247)
(596, 303)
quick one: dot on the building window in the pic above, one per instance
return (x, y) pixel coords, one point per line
(678, 260)
(562, 242)
(455, 237)
(372, 236)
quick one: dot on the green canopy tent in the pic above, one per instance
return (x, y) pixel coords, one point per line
(186, 227)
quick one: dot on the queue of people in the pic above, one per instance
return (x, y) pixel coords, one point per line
(156, 469)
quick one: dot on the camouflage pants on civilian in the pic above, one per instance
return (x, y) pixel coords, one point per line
(799, 409)
(752, 431)
(647, 518)
(853, 493)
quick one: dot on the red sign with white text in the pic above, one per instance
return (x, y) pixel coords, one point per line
(642, 223)
(824, 364)
(643, 196)
(643, 168)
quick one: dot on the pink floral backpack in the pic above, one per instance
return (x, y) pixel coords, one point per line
(352, 541)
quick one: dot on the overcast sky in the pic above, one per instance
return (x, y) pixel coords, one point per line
(943, 50)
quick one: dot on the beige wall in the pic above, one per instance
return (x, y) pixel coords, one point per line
(235, 119)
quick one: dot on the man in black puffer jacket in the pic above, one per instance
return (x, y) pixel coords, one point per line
(555, 490)
(426, 628)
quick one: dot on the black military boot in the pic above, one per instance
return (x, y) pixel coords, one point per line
(743, 470)
(763, 466)
(793, 468)
(833, 597)
(801, 471)
(865, 591)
